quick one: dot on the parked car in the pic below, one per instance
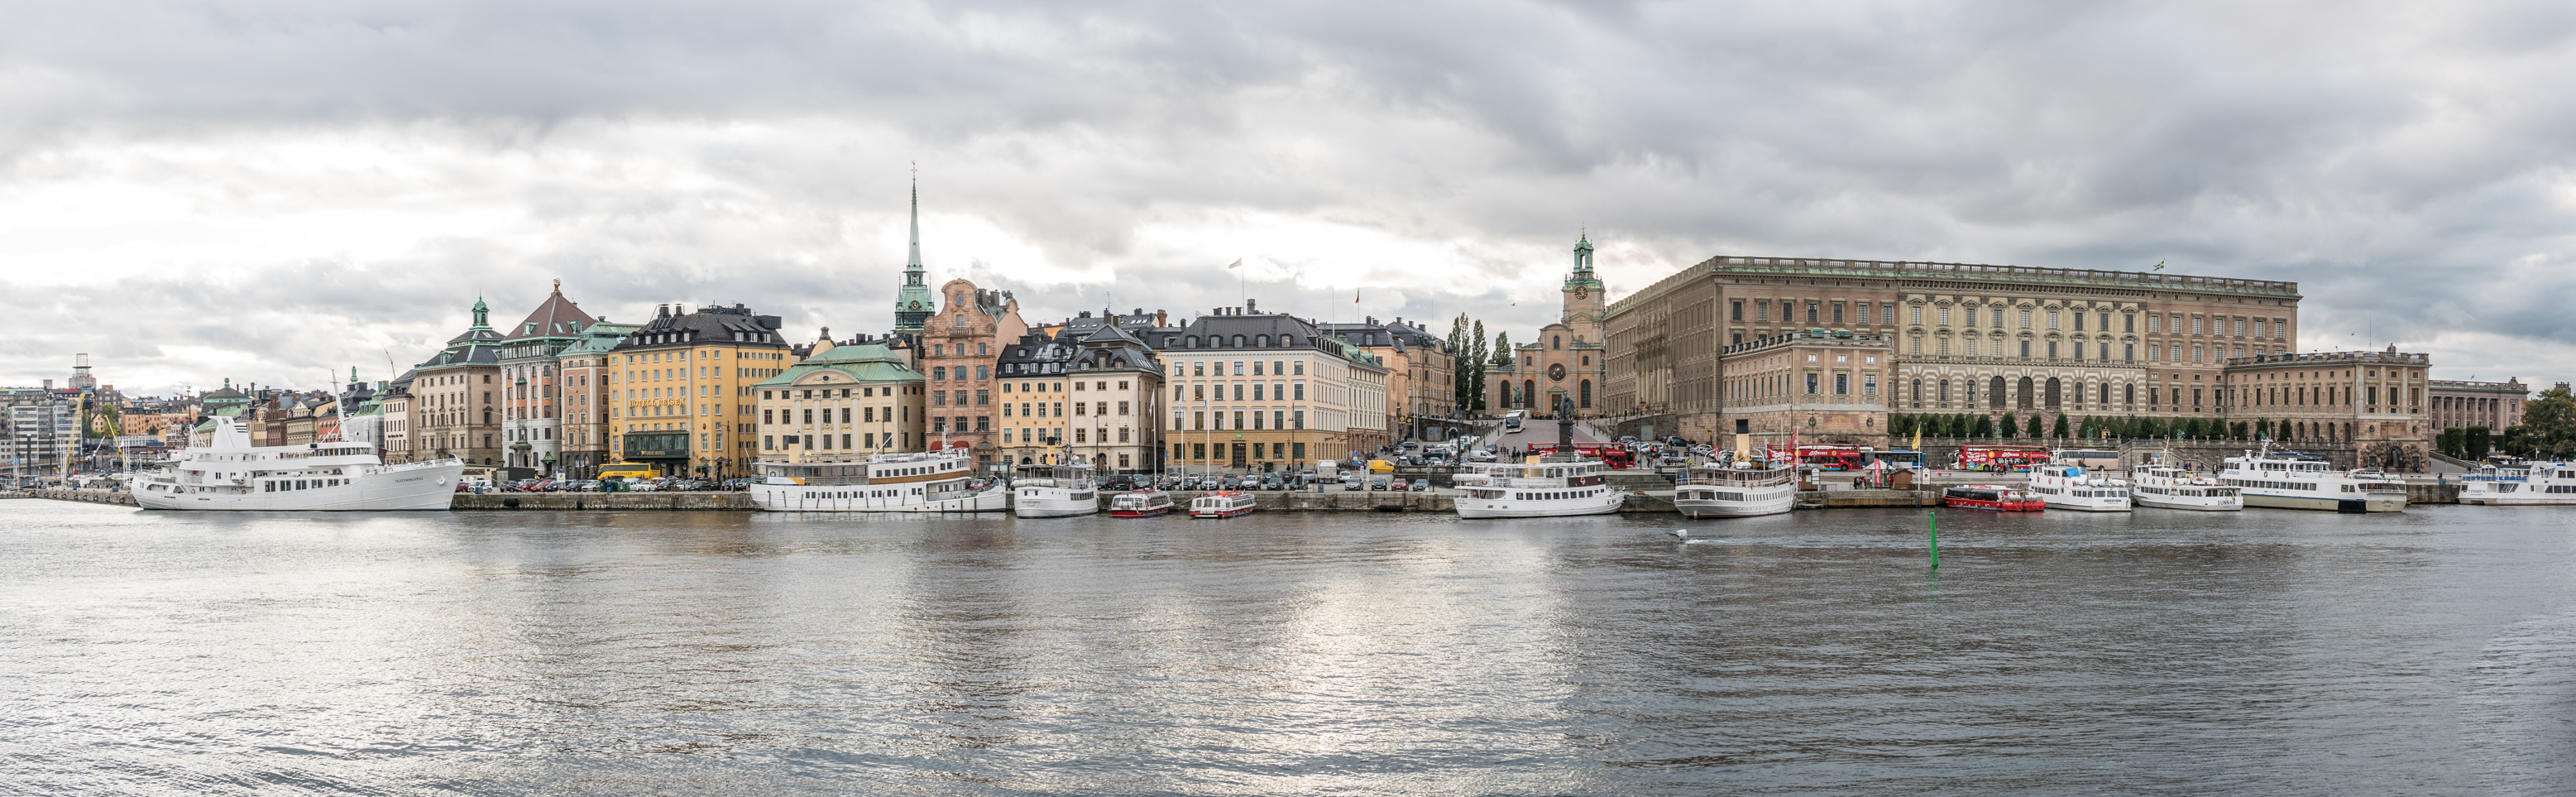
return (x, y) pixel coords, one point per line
(1401, 485)
(1377, 484)
(1422, 485)
(1271, 481)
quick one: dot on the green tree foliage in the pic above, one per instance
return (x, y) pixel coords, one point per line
(2012, 428)
(2059, 430)
(2453, 442)
(2475, 443)
(1982, 427)
(2549, 424)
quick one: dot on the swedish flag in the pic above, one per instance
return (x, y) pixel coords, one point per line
(2160, 265)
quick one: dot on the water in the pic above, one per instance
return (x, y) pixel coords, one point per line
(2263, 652)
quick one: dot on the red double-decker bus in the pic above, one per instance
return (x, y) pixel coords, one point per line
(1616, 456)
(2001, 458)
(1823, 456)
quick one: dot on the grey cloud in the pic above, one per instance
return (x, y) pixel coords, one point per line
(2394, 164)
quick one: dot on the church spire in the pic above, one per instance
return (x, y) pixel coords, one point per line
(914, 304)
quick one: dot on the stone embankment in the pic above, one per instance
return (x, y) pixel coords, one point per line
(85, 496)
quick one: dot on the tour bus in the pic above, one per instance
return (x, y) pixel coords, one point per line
(1512, 420)
(1823, 456)
(1615, 455)
(1896, 459)
(2002, 458)
(2090, 458)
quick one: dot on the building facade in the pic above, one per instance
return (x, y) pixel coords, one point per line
(1565, 366)
(588, 368)
(1967, 338)
(2460, 404)
(842, 403)
(1253, 391)
(456, 397)
(397, 400)
(532, 385)
(683, 398)
(2373, 400)
(1805, 387)
(958, 350)
(1109, 379)
(1421, 389)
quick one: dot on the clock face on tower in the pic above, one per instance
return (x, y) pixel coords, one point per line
(1556, 372)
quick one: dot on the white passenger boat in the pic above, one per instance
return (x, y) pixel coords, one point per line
(1540, 489)
(1745, 490)
(1140, 503)
(1054, 491)
(2290, 480)
(936, 481)
(1223, 504)
(2536, 484)
(2168, 487)
(230, 474)
(2064, 486)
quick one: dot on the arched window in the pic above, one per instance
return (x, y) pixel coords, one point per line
(1918, 393)
(1238, 341)
(2106, 393)
(1995, 393)
(2021, 396)
(1529, 392)
(1192, 342)
(1587, 394)
(1945, 390)
(2128, 394)
(1261, 341)
(2052, 393)
(1557, 342)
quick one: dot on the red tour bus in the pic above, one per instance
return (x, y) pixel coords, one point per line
(2002, 458)
(1824, 456)
(1616, 456)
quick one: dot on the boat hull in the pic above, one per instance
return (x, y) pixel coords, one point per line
(852, 498)
(2079, 505)
(1137, 513)
(2161, 503)
(1607, 503)
(405, 489)
(2367, 503)
(1701, 508)
(1221, 514)
(1994, 506)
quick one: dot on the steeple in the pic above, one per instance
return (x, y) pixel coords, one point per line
(914, 304)
(482, 314)
(1585, 305)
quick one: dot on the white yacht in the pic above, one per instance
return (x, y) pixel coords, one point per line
(1540, 489)
(2064, 486)
(231, 474)
(936, 481)
(1743, 490)
(2288, 480)
(2535, 484)
(1054, 491)
(2168, 487)
(1140, 503)
(1223, 504)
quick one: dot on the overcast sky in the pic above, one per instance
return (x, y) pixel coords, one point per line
(278, 191)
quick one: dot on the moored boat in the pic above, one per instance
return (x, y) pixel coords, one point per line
(2064, 486)
(1540, 489)
(1054, 491)
(2534, 484)
(1749, 490)
(1223, 504)
(1992, 498)
(2292, 480)
(1140, 503)
(2168, 487)
(230, 474)
(936, 481)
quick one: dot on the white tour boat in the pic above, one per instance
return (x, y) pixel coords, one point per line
(231, 474)
(2535, 484)
(1743, 490)
(1223, 504)
(2064, 486)
(1054, 491)
(2286, 480)
(1540, 489)
(2168, 487)
(1140, 503)
(935, 481)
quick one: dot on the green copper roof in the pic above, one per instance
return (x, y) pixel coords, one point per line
(859, 363)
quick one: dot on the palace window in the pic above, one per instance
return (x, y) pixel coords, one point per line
(1738, 312)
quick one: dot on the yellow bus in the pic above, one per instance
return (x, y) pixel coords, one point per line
(628, 470)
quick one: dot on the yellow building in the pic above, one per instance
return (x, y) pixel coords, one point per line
(681, 394)
(842, 403)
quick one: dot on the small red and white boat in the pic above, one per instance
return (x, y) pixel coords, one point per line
(1991, 497)
(1223, 504)
(1140, 503)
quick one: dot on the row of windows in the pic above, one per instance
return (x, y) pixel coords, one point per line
(1277, 368)
(869, 440)
(865, 415)
(2101, 351)
(1252, 451)
(1279, 419)
(1278, 391)
(1237, 342)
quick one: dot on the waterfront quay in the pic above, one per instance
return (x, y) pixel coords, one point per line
(437, 653)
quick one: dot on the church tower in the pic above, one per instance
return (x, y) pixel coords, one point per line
(914, 305)
(1586, 305)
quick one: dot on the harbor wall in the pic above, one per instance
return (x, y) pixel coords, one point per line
(85, 496)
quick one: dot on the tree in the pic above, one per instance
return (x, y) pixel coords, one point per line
(1502, 350)
(2475, 443)
(2059, 430)
(1984, 427)
(2550, 422)
(2012, 428)
(2238, 432)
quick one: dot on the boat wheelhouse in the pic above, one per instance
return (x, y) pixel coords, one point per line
(1708, 491)
(2295, 480)
(936, 481)
(1140, 503)
(1223, 504)
(1540, 489)
(2522, 484)
(1992, 498)
(2064, 486)
(1054, 491)
(230, 474)
(2168, 487)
